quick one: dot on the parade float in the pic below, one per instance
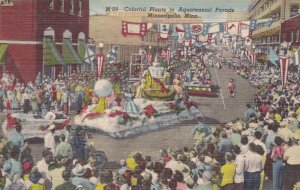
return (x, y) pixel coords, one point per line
(34, 125)
(155, 84)
(133, 115)
(198, 80)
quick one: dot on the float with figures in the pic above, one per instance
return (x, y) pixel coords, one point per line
(198, 80)
(150, 105)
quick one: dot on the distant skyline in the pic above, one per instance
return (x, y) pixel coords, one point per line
(99, 6)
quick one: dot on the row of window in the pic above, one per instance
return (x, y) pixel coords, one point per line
(268, 40)
(71, 9)
(50, 33)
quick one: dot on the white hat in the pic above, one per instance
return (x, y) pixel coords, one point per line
(79, 170)
(51, 127)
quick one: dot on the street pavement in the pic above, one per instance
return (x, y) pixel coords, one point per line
(216, 110)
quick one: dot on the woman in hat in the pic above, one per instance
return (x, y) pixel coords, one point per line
(79, 171)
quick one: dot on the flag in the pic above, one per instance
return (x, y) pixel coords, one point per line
(244, 28)
(205, 28)
(112, 55)
(253, 57)
(168, 56)
(164, 31)
(132, 28)
(196, 29)
(180, 31)
(149, 58)
(216, 27)
(187, 32)
(89, 56)
(248, 41)
(284, 64)
(252, 24)
(273, 57)
(232, 28)
(100, 60)
(297, 57)
(209, 38)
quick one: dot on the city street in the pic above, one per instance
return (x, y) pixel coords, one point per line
(216, 110)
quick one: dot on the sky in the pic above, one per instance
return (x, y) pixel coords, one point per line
(99, 6)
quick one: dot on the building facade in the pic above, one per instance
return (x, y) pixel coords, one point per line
(42, 36)
(290, 32)
(269, 34)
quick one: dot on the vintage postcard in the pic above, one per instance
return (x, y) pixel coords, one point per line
(149, 95)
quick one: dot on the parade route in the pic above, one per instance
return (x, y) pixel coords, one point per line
(212, 109)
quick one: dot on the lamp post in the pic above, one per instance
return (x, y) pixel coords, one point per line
(101, 45)
(100, 60)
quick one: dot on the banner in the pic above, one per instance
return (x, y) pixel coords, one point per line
(216, 27)
(132, 28)
(168, 56)
(149, 58)
(164, 31)
(284, 64)
(112, 55)
(253, 57)
(196, 29)
(100, 60)
(232, 28)
(244, 28)
(187, 32)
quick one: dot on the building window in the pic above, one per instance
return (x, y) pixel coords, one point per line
(62, 7)
(51, 5)
(292, 36)
(72, 7)
(294, 10)
(80, 8)
(297, 36)
(6, 2)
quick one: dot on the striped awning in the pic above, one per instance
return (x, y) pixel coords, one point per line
(51, 53)
(69, 53)
(3, 50)
(81, 49)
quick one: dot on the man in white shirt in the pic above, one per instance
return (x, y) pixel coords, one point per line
(240, 162)
(49, 139)
(292, 168)
(253, 167)
(43, 167)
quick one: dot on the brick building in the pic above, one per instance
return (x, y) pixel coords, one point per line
(46, 36)
(290, 31)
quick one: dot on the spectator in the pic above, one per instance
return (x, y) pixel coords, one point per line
(253, 168)
(67, 185)
(63, 149)
(277, 164)
(17, 138)
(292, 167)
(227, 172)
(49, 139)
